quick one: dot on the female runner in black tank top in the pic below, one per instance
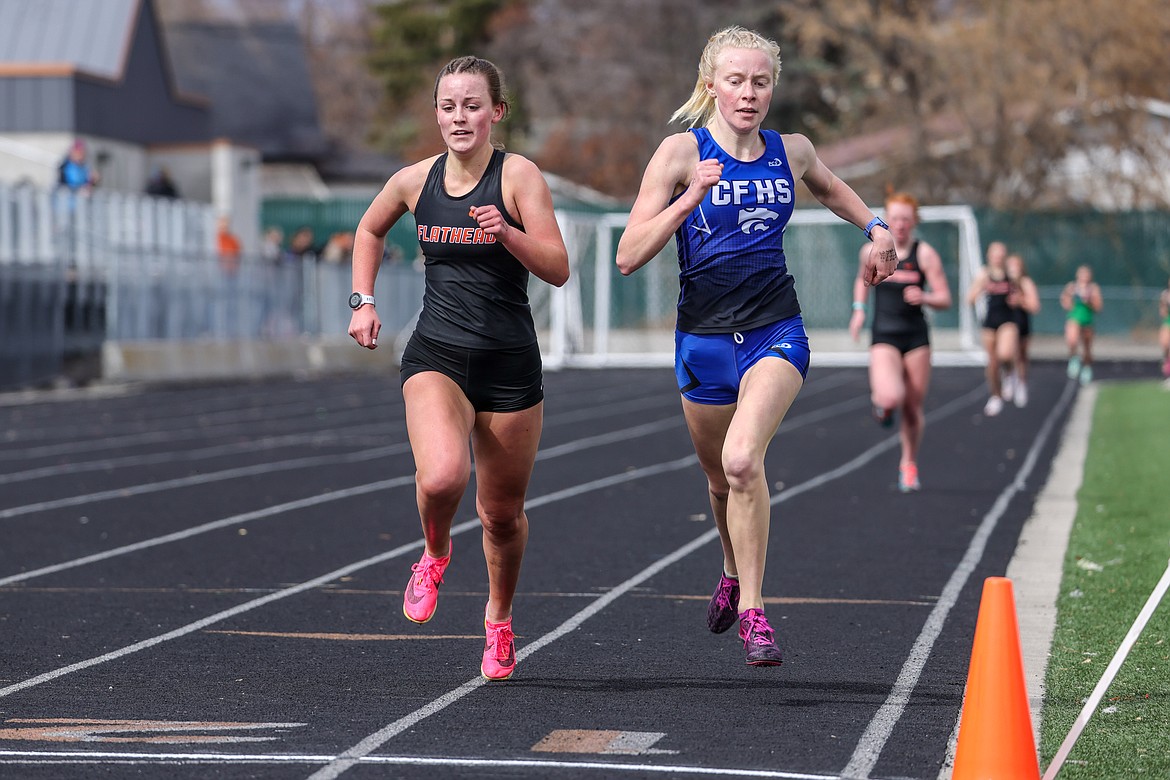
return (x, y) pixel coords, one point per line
(896, 321)
(899, 353)
(1024, 301)
(472, 368)
(1001, 334)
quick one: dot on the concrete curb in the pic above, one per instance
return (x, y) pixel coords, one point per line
(1037, 567)
(178, 361)
(189, 360)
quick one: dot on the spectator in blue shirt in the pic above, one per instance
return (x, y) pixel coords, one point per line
(75, 171)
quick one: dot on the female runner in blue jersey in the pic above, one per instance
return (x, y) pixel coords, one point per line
(725, 190)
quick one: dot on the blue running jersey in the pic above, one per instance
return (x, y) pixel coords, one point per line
(732, 272)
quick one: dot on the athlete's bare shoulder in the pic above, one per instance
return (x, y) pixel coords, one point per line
(679, 146)
(801, 154)
(405, 185)
(674, 160)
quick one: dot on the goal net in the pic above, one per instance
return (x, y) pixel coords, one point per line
(600, 318)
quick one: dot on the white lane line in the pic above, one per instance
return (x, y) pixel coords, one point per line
(105, 757)
(550, 452)
(106, 440)
(566, 627)
(333, 437)
(201, 479)
(1102, 686)
(324, 579)
(337, 438)
(365, 747)
(355, 754)
(183, 417)
(877, 733)
(214, 525)
(335, 495)
(110, 440)
(277, 466)
(635, 474)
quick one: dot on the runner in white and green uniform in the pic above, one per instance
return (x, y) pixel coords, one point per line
(1081, 298)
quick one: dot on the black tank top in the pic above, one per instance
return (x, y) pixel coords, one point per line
(998, 310)
(892, 316)
(476, 293)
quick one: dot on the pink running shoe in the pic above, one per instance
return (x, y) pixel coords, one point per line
(499, 651)
(421, 596)
(723, 608)
(758, 639)
(908, 478)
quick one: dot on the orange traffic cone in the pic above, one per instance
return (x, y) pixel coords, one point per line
(995, 731)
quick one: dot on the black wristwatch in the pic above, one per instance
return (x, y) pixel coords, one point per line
(875, 222)
(357, 300)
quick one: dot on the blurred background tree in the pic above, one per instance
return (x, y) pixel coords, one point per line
(984, 102)
(984, 99)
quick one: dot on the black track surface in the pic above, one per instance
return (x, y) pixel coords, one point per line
(206, 581)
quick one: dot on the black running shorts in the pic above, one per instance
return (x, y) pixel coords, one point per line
(494, 380)
(903, 342)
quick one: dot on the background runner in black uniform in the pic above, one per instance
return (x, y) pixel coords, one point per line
(1001, 334)
(1024, 300)
(899, 352)
(472, 368)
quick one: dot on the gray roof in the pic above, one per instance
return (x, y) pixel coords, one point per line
(257, 78)
(91, 35)
(251, 80)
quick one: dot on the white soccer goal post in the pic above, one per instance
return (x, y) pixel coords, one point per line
(603, 319)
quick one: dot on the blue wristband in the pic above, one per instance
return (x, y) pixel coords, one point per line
(875, 222)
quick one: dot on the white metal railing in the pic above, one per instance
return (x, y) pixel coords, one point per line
(77, 269)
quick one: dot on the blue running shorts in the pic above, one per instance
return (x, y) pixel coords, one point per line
(709, 366)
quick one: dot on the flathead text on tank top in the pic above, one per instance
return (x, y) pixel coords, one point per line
(445, 234)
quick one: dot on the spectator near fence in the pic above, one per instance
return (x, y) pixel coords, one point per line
(161, 185)
(301, 245)
(338, 249)
(75, 173)
(272, 246)
(227, 246)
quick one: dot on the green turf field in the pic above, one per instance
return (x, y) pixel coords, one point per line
(1117, 552)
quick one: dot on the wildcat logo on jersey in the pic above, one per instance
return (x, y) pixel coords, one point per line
(437, 234)
(753, 219)
(762, 191)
